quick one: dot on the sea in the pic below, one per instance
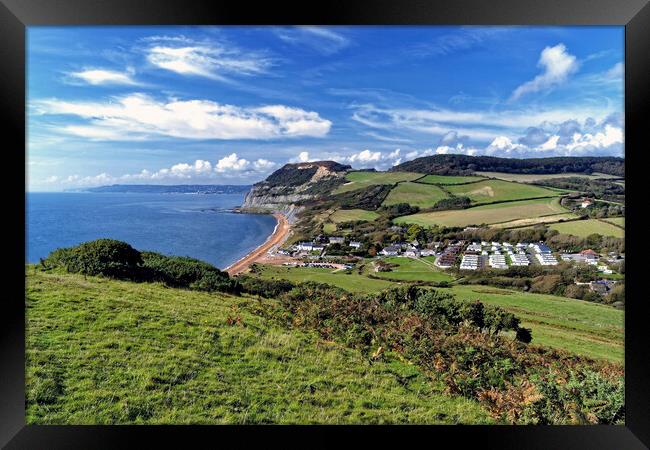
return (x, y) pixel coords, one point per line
(201, 226)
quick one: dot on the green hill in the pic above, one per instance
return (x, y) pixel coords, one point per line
(102, 351)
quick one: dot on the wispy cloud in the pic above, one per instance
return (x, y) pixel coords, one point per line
(323, 40)
(204, 58)
(97, 77)
(462, 39)
(141, 116)
(557, 65)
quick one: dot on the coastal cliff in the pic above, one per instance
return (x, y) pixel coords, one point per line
(286, 188)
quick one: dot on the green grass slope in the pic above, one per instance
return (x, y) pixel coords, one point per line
(347, 215)
(490, 191)
(359, 180)
(415, 194)
(489, 214)
(584, 328)
(448, 179)
(409, 269)
(584, 228)
(111, 352)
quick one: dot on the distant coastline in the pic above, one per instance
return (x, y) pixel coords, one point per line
(168, 189)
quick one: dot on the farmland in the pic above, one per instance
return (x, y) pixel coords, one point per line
(534, 221)
(620, 221)
(581, 327)
(416, 194)
(409, 269)
(531, 178)
(444, 179)
(497, 190)
(347, 215)
(359, 180)
(495, 213)
(584, 228)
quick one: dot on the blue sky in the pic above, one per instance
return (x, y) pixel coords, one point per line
(228, 105)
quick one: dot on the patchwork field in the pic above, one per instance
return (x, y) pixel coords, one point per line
(620, 221)
(584, 228)
(358, 180)
(532, 177)
(409, 269)
(444, 179)
(488, 214)
(348, 215)
(100, 351)
(498, 190)
(581, 327)
(416, 194)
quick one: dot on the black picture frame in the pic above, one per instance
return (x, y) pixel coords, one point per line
(16, 15)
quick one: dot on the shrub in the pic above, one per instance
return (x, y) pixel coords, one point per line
(264, 288)
(106, 257)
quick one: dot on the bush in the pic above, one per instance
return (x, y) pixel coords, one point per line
(106, 257)
(184, 272)
(264, 288)
(118, 259)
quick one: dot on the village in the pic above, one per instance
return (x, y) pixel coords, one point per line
(340, 253)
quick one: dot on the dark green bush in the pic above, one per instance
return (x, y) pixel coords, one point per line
(106, 257)
(264, 288)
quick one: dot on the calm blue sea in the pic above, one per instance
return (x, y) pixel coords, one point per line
(196, 225)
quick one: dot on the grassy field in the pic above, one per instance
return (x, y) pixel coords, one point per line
(620, 221)
(444, 179)
(534, 220)
(347, 215)
(358, 180)
(112, 352)
(581, 327)
(497, 213)
(584, 228)
(416, 194)
(421, 269)
(352, 282)
(530, 178)
(498, 190)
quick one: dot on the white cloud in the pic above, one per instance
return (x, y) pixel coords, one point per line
(104, 76)
(201, 171)
(303, 157)
(365, 156)
(138, 116)
(616, 71)
(205, 59)
(453, 125)
(557, 65)
(231, 162)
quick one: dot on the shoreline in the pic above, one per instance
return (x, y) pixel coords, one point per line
(279, 235)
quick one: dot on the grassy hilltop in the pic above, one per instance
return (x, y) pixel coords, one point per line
(103, 351)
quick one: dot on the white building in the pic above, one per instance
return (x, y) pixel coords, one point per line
(355, 244)
(427, 252)
(497, 262)
(519, 260)
(469, 262)
(412, 252)
(337, 240)
(546, 259)
(391, 250)
(305, 246)
(474, 247)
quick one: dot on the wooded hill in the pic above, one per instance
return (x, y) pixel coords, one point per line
(465, 165)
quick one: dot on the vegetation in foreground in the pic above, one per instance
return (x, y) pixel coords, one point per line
(580, 327)
(102, 351)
